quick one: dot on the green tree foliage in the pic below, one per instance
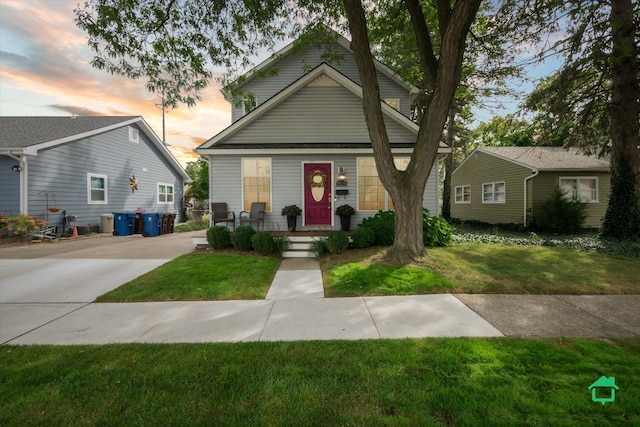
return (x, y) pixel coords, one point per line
(504, 132)
(486, 67)
(198, 171)
(592, 102)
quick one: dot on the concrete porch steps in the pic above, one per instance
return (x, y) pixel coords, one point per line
(300, 246)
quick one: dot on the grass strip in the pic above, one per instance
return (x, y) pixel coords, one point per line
(201, 277)
(462, 382)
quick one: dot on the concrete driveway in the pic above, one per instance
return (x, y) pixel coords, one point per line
(41, 282)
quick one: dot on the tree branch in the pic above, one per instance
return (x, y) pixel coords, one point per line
(444, 14)
(370, 91)
(428, 60)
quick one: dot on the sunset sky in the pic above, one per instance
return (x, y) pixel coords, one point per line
(45, 71)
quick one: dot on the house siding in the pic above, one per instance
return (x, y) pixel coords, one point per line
(287, 186)
(482, 168)
(291, 67)
(9, 187)
(545, 182)
(63, 170)
(316, 114)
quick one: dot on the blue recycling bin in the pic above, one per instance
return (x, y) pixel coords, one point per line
(152, 224)
(123, 223)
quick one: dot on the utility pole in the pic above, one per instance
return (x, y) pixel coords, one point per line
(162, 107)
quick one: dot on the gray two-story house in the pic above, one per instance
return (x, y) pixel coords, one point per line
(85, 167)
(300, 137)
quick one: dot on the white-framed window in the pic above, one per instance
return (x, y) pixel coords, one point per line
(393, 103)
(249, 103)
(463, 194)
(97, 189)
(134, 135)
(371, 193)
(256, 182)
(494, 192)
(165, 193)
(582, 188)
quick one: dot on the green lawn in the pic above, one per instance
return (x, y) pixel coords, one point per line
(463, 268)
(201, 277)
(461, 382)
(482, 268)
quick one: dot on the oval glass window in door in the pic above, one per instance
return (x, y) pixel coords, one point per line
(317, 181)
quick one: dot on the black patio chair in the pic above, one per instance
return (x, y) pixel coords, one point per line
(219, 213)
(254, 216)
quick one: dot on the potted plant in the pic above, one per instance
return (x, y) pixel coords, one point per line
(291, 212)
(345, 212)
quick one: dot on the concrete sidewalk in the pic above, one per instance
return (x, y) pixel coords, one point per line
(420, 316)
(258, 320)
(48, 301)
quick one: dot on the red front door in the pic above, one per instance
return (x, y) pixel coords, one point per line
(317, 194)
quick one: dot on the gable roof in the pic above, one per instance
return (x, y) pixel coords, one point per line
(322, 70)
(547, 159)
(27, 135)
(343, 42)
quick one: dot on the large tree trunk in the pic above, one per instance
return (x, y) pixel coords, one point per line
(448, 167)
(622, 219)
(407, 187)
(408, 225)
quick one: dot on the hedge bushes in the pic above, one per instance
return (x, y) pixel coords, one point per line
(436, 230)
(218, 237)
(561, 215)
(383, 226)
(263, 243)
(241, 238)
(337, 241)
(363, 237)
(246, 239)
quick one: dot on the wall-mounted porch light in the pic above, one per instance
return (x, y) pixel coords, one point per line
(342, 178)
(16, 168)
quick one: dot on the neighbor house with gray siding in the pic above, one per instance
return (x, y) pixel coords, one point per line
(298, 136)
(85, 166)
(509, 185)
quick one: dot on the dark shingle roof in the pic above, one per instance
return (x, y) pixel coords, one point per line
(550, 158)
(19, 132)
